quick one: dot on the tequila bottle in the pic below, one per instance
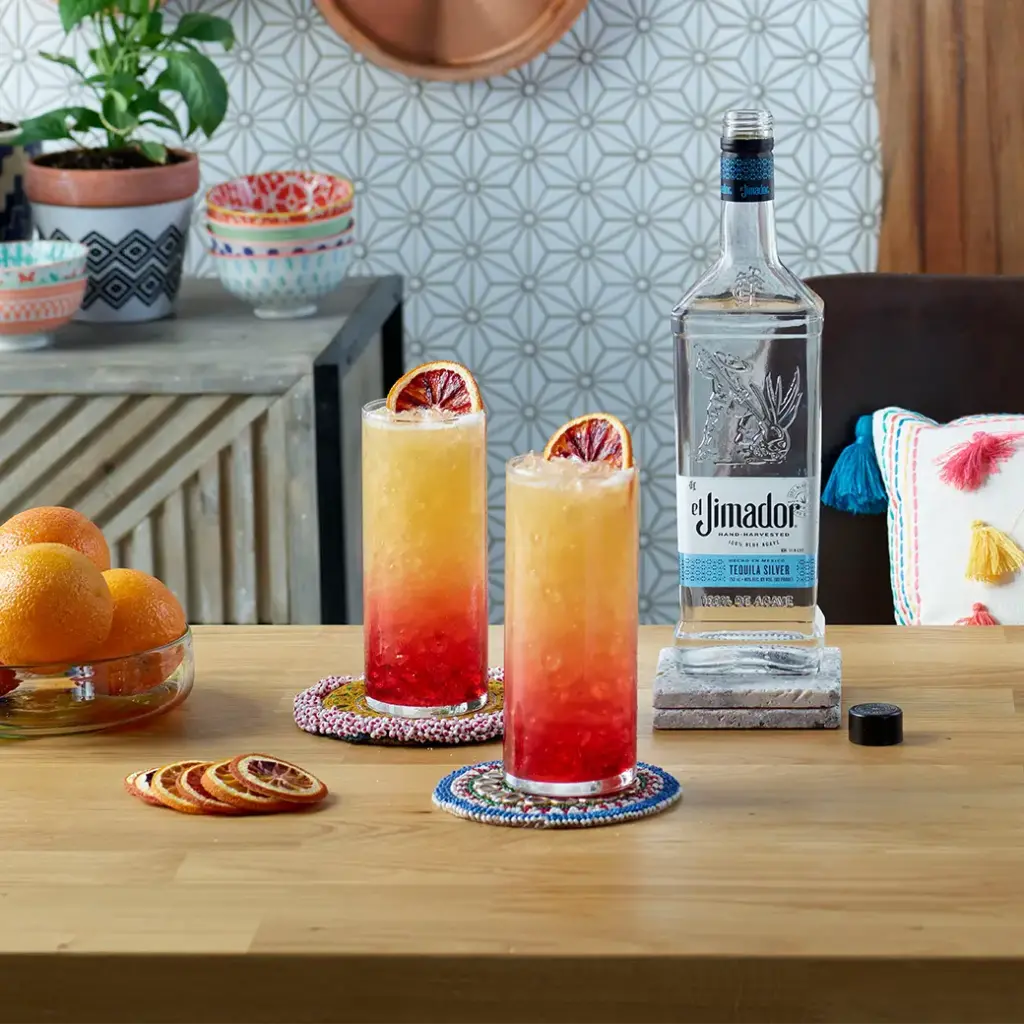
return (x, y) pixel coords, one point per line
(748, 410)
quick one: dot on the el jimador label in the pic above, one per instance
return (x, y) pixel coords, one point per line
(746, 532)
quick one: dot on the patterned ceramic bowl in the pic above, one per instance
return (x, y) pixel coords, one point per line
(279, 197)
(231, 247)
(37, 264)
(284, 287)
(284, 233)
(29, 316)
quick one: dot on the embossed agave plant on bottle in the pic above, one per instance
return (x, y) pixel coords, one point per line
(748, 410)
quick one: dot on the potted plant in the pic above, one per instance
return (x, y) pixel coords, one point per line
(15, 222)
(119, 189)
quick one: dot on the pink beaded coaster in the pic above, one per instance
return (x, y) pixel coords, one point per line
(337, 707)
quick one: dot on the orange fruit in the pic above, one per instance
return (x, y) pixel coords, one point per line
(55, 605)
(52, 524)
(146, 615)
(447, 387)
(596, 437)
(219, 781)
(272, 777)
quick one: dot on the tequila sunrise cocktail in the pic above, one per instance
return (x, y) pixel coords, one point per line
(571, 568)
(425, 547)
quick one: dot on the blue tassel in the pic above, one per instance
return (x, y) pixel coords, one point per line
(856, 483)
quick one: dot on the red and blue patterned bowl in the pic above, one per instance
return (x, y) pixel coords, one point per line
(274, 198)
(221, 246)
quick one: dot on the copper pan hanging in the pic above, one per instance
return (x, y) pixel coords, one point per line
(454, 40)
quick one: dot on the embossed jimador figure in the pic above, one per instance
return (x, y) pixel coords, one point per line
(748, 366)
(747, 423)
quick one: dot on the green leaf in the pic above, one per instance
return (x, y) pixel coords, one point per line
(150, 103)
(73, 12)
(58, 58)
(59, 124)
(155, 151)
(206, 28)
(116, 113)
(102, 57)
(153, 32)
(127, 85)
(196, 79)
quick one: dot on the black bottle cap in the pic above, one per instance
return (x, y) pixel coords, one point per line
(876, 725)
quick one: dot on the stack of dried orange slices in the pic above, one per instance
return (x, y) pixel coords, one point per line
(246, 784)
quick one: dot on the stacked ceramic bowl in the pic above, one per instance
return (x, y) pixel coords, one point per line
(41, 288)
(281, 240)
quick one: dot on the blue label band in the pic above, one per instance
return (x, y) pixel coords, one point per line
(748, 179)
(759, 572)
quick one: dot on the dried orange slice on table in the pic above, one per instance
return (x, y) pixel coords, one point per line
(278, 779)
(221, 784)
(596, 437)
(444, 386)
(140, 784)
(190, 785)
(164, 785)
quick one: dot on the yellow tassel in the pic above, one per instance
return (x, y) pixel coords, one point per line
(993, 554)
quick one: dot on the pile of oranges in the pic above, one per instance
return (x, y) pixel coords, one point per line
(61, 603)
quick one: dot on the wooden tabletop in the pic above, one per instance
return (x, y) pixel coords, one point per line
(801, 878)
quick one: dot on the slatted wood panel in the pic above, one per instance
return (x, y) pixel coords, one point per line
(949, 82)
(214, 494)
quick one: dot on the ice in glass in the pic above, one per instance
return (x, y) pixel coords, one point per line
(571, 554)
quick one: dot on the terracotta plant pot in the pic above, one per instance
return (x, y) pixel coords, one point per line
(136, 224)
(15, 214)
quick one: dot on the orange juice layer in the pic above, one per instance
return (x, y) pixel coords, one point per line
(425, 558)
(571, 621)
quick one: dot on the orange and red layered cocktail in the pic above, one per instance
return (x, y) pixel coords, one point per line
(571, 613)
(425, 545)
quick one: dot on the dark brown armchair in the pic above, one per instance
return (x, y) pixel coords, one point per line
(941, 346)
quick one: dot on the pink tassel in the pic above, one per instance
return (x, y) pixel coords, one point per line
(981, 617)
(967, 465)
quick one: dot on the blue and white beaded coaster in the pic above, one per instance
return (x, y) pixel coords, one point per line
(480, 793)
(337, 707)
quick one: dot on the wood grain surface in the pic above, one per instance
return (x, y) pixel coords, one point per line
(801, 878)
(948, 80)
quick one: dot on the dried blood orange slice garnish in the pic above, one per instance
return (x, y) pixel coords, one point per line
(191, 787)
(596, 437)
(165, 787)
(273, 777)
(446, 387)
(221, 784)
(141, 786)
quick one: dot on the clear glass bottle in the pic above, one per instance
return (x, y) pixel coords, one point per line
(748, 412)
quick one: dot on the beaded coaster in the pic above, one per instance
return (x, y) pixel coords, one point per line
(480, 793)
(337, 707)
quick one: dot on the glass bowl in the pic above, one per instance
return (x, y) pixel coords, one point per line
(54, 700)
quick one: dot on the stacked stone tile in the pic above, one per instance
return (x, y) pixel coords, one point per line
(688, 700)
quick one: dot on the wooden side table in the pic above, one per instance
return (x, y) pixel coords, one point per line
(218, 451)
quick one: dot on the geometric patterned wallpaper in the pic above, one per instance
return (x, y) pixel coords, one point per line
(547, 221)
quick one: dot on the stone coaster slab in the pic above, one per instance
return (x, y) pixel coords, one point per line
(747, 718)
(676, 687)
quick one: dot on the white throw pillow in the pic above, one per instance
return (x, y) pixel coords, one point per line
(930, 521)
